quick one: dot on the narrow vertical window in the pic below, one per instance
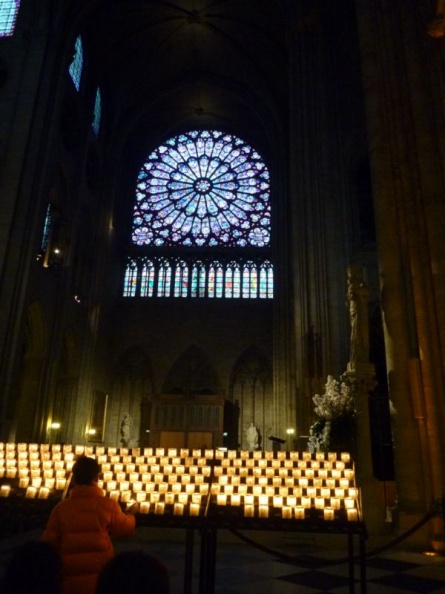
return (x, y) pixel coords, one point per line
(211, 285)
(147, 279)
(219, 281)
(181, 280)
(46, 230)
(9, 10)
(75, 68)
(228, 285)
(97, 112)
(130, 280)
(164, 280)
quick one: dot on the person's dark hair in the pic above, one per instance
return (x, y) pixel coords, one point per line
(85, 470)
(134, 572)
(33, 568)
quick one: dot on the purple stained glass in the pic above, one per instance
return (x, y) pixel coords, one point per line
(203, 188)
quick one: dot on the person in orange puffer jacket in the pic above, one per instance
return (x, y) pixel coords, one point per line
(81, 528)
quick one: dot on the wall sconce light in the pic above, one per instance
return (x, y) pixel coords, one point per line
(91, 431)
(290, 431)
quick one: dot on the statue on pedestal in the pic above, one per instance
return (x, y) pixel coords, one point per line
(252, 437)
(126, 430)
(357, 302)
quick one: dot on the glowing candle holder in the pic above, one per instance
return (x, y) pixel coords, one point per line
(278, 501)
(306, 502)
(137, 486)
(169, 498)
(31, 492)
(324, 492)
(353, 492)
(352, 514)
(194, 509)
(263, 511)
(36, 481)
(235, 499)
(141, 496)
(328, 513)
(221, 499)
(43, 493)
(178, 509)
(5, 490)
(344, 483)
(319, 503)
(349, 502)
(335, 502)
(50, 483)
(144, 507)
(340, 493)
(283, 491)
(286, 512)
(23, 482)
(183, 498)
(249, 511)
(299, 512)
(115, 494)
(263, 500)
(257, 490)
(160, 508)
(311, 492)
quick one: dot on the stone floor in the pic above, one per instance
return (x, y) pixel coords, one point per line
(288, 564)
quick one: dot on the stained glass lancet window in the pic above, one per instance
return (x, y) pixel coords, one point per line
(9, 10)
(97, 112)
(203, 189)
(76, 66)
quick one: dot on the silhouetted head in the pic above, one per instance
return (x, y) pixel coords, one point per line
(134, 572)
(85, 470)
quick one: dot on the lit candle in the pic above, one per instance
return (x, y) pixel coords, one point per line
(144, 507)
(352, 514)
(178, 509)
(141, 496)
(194, 509)
(5, 490)
(235, 499)
(263, 511)
(23, 482)
(335, 503)
(299, 513)
(221, 499)
(328, 513)
(31, 492)
(115, 495)
(286, 512)
(160, 507)
(305, 502)
(349, 503)
(249, 511)
(319, 503)
(43, 493)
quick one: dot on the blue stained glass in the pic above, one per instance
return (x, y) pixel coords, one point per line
(8, 16)
(217, 177)
(98, 113)
(75, 68)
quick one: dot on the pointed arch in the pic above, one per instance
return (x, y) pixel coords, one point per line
(251, 387)
(192, 374)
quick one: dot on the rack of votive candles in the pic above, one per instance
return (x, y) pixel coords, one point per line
(286, 485)
(186, 482)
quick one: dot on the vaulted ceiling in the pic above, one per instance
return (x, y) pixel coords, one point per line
(167, 65)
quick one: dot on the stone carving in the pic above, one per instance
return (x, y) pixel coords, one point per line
(252, 437)
(357, 302)
(126, 425)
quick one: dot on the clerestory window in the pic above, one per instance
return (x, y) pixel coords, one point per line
(201, 221)
(76, 66)
(9, 10)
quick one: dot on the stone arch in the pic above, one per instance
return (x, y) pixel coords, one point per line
(132, 387)
(251, 387)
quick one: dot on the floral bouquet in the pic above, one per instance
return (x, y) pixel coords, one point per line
(335, 410)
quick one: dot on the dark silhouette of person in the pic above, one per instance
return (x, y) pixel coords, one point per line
(134, 572)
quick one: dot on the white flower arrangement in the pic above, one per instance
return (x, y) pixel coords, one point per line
(336, 410)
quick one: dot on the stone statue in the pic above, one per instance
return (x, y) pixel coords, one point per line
(252, 437)
(357, 302)
(126, 430)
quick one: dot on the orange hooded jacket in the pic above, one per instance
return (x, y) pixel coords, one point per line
(81, 528)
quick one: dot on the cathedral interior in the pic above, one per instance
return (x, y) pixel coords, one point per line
(186, 188)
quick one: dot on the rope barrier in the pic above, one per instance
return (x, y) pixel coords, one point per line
(436, 510)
